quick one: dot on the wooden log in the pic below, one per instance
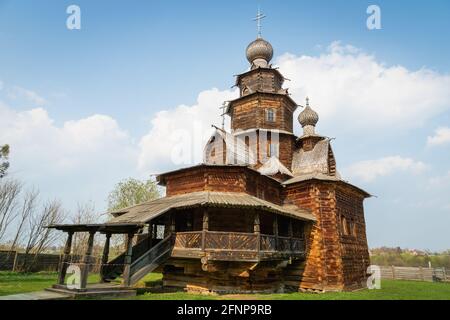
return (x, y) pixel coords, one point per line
(275, 230)
(205, 227)
(66, 255)
(87, 260)
(105, 257)
(127, 261)
(257, 231)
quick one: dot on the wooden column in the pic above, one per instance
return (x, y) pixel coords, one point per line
(172, 224)
(127, 260)
(257, 231)
(150, 235)
(205, 227)
(87, 260)
(275, 230)
(105, 256)
(65, 258)
(290, 233)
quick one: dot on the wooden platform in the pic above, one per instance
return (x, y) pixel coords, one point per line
(98, 290)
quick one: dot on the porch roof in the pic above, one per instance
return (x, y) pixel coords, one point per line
(119, 228)
(147, 211)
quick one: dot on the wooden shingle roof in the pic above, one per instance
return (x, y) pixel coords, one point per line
(147, 211)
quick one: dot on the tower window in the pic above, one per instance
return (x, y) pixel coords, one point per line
(354, 228)
(344, 225)
(270, 115)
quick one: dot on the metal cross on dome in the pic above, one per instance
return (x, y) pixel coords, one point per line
(223, 108)
(259, 17)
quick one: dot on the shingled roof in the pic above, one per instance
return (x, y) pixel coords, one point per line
(319, 160)
(147, 211)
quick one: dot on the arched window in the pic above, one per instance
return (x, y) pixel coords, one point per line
(344, 226)
(354, 228)
(270, 115)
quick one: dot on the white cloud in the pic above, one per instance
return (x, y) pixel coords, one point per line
(79, 160)
(33, 134)
(369, 170)
(31, 96)
(441, 136)
(351, 88)
(177, 136)
(439, 181)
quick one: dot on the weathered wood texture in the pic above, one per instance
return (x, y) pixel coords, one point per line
(410, 273)
(250, 112)
(334, 261)
(224, 179)
(223, 277)
(261, 79)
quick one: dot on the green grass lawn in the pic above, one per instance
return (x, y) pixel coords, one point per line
(12, 283)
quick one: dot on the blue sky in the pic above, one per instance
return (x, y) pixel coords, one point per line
(83, 107)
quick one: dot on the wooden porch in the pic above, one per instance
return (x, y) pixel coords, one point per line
(236, 246)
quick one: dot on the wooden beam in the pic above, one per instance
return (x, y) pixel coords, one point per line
(65, 258)
(275, 230)
(87, 260)
(205, 227)
(257, 231)
(127, 260)
(290, 233)
(172, 223)
(105, 256)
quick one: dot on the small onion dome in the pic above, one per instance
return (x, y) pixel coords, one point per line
(308, 117)
(259, 52)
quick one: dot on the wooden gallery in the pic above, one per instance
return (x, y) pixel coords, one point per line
(266, 211)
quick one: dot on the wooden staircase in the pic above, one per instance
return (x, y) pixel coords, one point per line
(150, 260)
(144, 260)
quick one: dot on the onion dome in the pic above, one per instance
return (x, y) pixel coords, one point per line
(308, 117)
(259, 53)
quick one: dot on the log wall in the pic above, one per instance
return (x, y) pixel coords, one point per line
(250, 112)
(223, 179)
(333, 261)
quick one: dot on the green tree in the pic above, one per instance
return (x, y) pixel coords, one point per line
(130, 192)
(4, 164)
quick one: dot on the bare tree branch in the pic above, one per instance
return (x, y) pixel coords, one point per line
(9, 192)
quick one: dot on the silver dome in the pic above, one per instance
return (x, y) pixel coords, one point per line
(308, 117)
(259, 50)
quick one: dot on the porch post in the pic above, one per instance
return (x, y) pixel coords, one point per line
(290, 233)
(105, 256)
(257, 231)
(205, 227)
(150, 234)
(87, 260)
(275, 230)
(65, 259)
(172, 223)
(127, 260)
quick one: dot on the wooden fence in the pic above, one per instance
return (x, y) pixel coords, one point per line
(12, 261)
(418, 274)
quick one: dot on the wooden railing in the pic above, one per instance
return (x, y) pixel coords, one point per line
(188, 240)
(235, 241)
(231, 241)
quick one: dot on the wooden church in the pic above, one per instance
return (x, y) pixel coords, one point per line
(266, 211)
